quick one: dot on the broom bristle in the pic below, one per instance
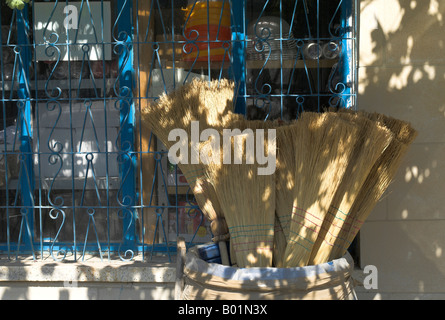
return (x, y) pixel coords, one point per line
(209, 103)
(285, 183)
(250, 217)
(322, 150)
(371, 141)
(279, 244)
(242, 124)
(377, 180)
(203, 190)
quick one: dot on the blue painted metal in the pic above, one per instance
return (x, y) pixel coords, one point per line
(26, 177)
(346, 62)
(127, 158)
(238, 8)
(5, 149)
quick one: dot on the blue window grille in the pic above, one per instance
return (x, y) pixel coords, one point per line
(80, 172)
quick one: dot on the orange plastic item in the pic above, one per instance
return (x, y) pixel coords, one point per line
(206, 33)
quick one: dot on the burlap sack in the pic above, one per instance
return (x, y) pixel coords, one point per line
(210, 281)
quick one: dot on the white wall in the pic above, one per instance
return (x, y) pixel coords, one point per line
(402, 74)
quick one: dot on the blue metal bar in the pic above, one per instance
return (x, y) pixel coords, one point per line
(238, 53)
(37, 143)
(346, 59)
(139, 124)
(318, 60)
(25, 114)
(65, 247)
(128, 159)
(5, 150)
(72, 148)
(107, 178)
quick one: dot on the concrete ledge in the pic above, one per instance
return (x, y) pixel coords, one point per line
(93, 279)
(92, 271)
(85, 291)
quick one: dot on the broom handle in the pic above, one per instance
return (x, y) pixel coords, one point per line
(223, 252)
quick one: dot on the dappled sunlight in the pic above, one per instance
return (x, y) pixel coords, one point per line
(289, 181)
(399, 81)
(253, 258)
(438, 251)
(402, 75)
(434, 10)
(414, 174)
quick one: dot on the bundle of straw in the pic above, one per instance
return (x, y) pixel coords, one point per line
(239, 126)
(372, 139)
(323, 148)
(285, 183)
(377, 180)
(331, 170)
(211, 104)
(279, 242)
(248, 202)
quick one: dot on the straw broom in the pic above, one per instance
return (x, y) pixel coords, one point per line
(237, 125)
(210, 105)
(372, 140)
(205, 191)
(285, 183)
(207, 200)
(242, 124)
(378, 179)
(280, 242)
(323, 149)
(248, 202)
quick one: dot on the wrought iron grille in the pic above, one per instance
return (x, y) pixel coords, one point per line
(80, 172)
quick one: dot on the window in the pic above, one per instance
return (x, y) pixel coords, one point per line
(83, 174)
